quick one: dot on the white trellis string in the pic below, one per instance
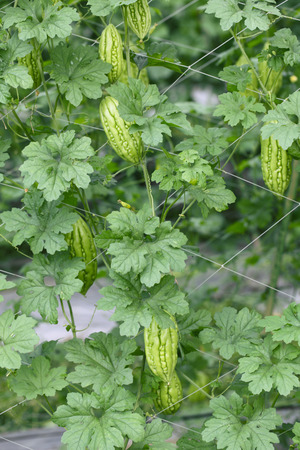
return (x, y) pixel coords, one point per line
(12, 407)
(13, 274)
(205, 56)
(204, 281)
(11, 186)
(262, 234)
(222, 266)
(2, 9)
(179, 10)
(181, 426)
(21, 101)
(16, 443)
(256, 185)
(215, 357)
(189, 395)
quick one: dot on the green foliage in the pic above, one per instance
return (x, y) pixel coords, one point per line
(235, 332)
(38, 379)
(40, 19)
(78, 72)
(99, 420)
(134, 102)
(237, 108)
(102, 361)
(169, 262)
(42, 223)
(56, 163)
(17, 337)
(280, 122)
(240, 426)
(271, 365)
(37, 294)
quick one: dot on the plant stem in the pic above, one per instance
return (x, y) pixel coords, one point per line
(73, 326)
(148, 186)
(237, 39)
(48, 403)
(16, 248)
(44, 408)
(183, 212)
(138, 395)
(46, 91)
(127, 43)
(165, 205)
(280, 244)
(21, 124)
(233, 152)
(275, 400)
(64, 312)
(164, 215)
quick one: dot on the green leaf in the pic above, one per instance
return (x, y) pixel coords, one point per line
(255, 13)
(271, 365)
(228, 11)
(211, 140)
(38, 295)
(135, 307)
(99, 421)
(43, 224)
(56, 163)
(230, 429)
(285, 328)
(285, 39)
(4, 284)
(296, 431)
(104, 7)
(136, 99)
(239, 76)
(16, 336)
(213, 196)
(78, 72)
(4, 94)
(102, 361)
(148, 248)
(156, 433)
(237, 108)
(281, 123)
(192, 440)
(4, 146)
(17, 76)
(40, 19)
(38, 379)
(193, 321)
(235, 332)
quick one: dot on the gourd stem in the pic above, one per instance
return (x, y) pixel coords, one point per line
(183, 212)
(21, 125)
(44, 408)
(46, 91)
(165, 205)
(275, 400)
(280, 244)
(48, 403)
(233, 151)
(127, 42)
(16, 248)
(73, 326)
(148, 186)
(237, 39)
(138, 395)
(165, 213)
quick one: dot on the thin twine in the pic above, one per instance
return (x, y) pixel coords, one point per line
(16, 443)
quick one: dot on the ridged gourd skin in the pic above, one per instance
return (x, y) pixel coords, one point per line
(111, 51)
(276, 165)
(269, 77)
(139, 17)
(128, 146)
(253, 85)
(143, 76)
(161, 349)
(168, 394)
(81, 244)
(30, 61)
